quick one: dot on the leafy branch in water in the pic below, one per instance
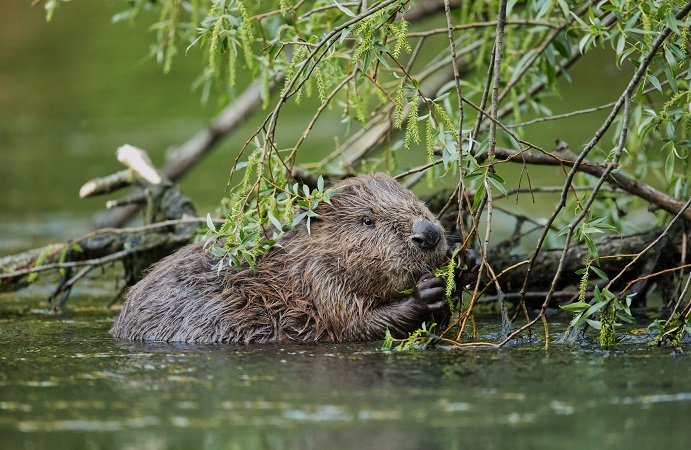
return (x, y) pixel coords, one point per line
(670, 331)
(610, 310)
(417, 340)
(605, 304)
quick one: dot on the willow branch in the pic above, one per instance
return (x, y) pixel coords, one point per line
(633, 83)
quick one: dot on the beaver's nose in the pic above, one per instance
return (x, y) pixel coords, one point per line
(426, 234)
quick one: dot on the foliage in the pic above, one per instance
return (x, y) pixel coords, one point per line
(40, 260)
(447, 272)
(670, 331)
(380, 67)
(609, 307)
(249, 232)
(418, 339)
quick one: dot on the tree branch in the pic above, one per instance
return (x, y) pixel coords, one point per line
(618, 180)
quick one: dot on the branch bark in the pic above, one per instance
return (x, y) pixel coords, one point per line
(564, 157)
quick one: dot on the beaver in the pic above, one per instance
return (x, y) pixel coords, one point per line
(342, 280)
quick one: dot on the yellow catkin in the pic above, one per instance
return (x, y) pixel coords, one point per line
(412, 133)
(398, 109)
(401, 38)
(246, 36)
(321, 86)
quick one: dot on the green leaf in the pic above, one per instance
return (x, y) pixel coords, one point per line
(344, 10)
(625, 317)
(658, 325)
(565, 9)
(497, 181)
(344, 35)
(592, 248)
(596, 307)
(669, 56)
(383, 60)
(484, 145)
(621, 43)
(298, 218)
(479, 195)
(563, 231)
(672, 23)
(217, 252)
(669, 166)
(669, 129)
(234, 259)
(583, 44)
(654, 81)
(575, 307)
(599, 273)
(210, 222)
(474, 175)
(276, 223)
(594, 323)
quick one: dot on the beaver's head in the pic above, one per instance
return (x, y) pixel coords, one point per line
(377, 234)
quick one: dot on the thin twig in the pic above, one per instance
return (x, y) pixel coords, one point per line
(470, 26)
(652, 275)
(494, 106)
(459, 136)
(579, 112)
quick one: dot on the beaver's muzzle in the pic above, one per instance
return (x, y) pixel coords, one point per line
(426, 234)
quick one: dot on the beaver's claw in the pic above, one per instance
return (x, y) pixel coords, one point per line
(430, 291)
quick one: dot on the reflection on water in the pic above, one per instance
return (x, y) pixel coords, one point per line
(65, 383)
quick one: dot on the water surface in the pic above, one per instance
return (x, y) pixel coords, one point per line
(65, 383)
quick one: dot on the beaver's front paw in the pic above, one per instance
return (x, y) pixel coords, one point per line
(429, 293)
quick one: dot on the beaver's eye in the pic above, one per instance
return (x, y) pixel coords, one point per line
(367, 221)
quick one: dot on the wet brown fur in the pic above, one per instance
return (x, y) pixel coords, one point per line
(342, 281)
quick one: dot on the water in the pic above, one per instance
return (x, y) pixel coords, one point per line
(65, 383)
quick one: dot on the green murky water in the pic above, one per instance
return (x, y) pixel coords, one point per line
(65, 383)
